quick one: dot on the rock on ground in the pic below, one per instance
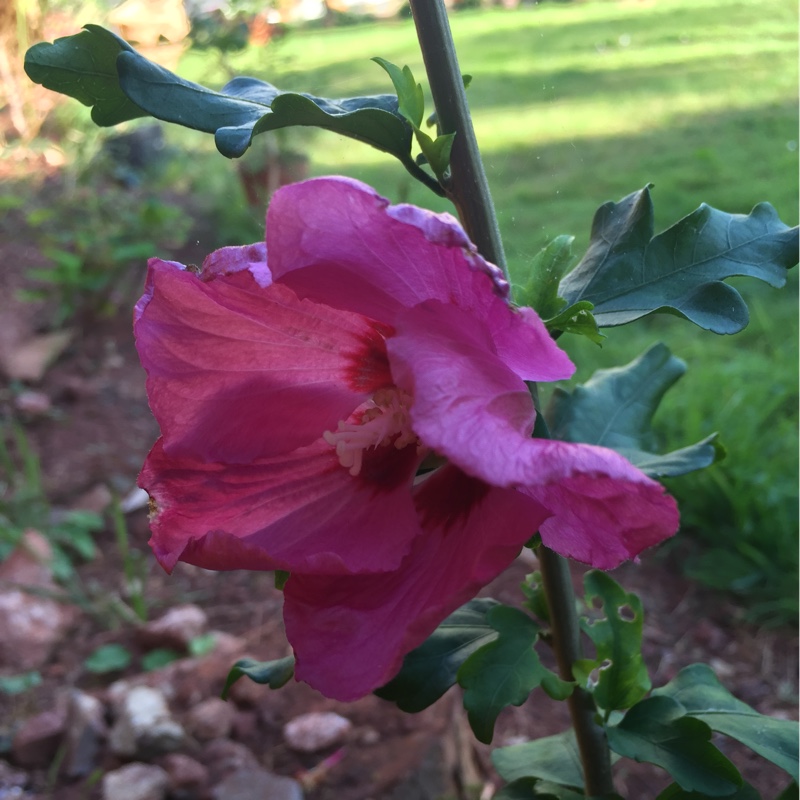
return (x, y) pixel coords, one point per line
(136, 782)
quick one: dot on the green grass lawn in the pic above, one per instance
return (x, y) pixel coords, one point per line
(575, 104)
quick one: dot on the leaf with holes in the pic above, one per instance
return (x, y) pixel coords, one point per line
(615, 409)
(657, 730)
(430, 670)
(621, 675)
(628, 273)
(273, 673)
(698, 690)
(505, 671)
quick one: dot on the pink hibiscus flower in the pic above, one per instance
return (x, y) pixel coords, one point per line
(353, 410)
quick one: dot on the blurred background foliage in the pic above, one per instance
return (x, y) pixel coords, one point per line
(574, 103)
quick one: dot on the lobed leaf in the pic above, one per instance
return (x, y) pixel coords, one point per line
(622, 677)
(100, 69)
(615, 409)
(505, 671)
(430, 670)
(658, 731)
(553, 758)
(84, 66)
(628, 273)
(274, 673)
(698, 690)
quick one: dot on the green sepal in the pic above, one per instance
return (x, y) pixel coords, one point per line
(430, 670)
(627, 273)
(273, 673)
(674, 792)
(615, 409)
(698, 690)
(552, 758)
(505, 671)
(622, 678)
(658, 731)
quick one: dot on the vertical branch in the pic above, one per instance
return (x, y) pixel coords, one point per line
(468, 188)
(592, 744)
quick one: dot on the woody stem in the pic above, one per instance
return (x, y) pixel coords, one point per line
(468, 188)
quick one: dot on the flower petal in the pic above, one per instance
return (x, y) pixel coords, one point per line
(605, 511)
(350, 634)
(237, 371)
(337, 241)
(468, 405)
(302, 511)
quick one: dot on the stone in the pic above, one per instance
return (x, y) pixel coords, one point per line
(254, 783)
(210, 719)
(86, 731)
(224, 757)
(12, 781)
(316, 730)
(35, 744)
(34, 404)
(245, 725)
(136, 782)
(175, 629)
(31, 624)
(188, 778)
(29, 360)
(96, 500)
(144, 727)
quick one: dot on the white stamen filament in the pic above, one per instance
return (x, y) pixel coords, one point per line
(385, 418)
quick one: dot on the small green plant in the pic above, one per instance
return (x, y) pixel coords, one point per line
(108, 658)
(23, 505)
(97, 238)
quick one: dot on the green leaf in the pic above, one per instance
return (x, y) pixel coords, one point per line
(202, 645)
(108, 658)
(535, 598)
(698, 690)
(627, 273)
(505, 671)
(158, 658)
(274, 673)
(84, 66)
(411, 103)
(577, 318)
(430, 670)
(658, 731)
(100, 69)
(281, 576)
(621, 674)
(17, 684)
(545, 272)
(554, 758)
(789, 793)
(615, 409)
(523, 789)
(674, 792)
(436, 151)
